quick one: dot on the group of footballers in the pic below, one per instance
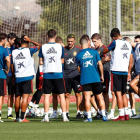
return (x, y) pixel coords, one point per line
(84, 69)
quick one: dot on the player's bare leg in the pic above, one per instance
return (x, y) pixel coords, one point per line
(63, 106)
(17, 106)
(78, 101)
(113, 106)
(120, 106)
(93, 102)
(106, 99)
(132, 103)
(55, 104)
(67, 97)
(87, 97)
(10, 106)
(1, 103)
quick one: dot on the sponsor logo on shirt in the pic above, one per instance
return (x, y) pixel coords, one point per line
(124, 47)
(51, 59)
(87, 63)
(20, 56)
(51, 50)
(74, 53)
(20, 65)
(70, 60)
(87, 55)
(125, 55)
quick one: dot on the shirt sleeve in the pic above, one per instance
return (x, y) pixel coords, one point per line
(40, 53)
(62, 52)
(33, 50)
(6, 53)
(112, 45)
(77, 60)
(98, 57)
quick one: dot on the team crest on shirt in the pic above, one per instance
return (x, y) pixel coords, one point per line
(74, 53)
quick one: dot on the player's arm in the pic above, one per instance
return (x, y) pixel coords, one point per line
(111, 46)
(78, 67)
(8, 64)
(130, 67)
(105, 59)
(101, 71)
(26, 38)
(41, 61)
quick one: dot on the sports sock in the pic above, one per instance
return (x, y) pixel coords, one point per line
(55, 112)
(112, 111)
(38, 96)
(9, 111)
(78, 111)
(103, 112)
(133, 111)
(121, 112)
(0, 115)
(81, 112)
(64, 115)
(126, 111)
(46, 115)
(67, 112)
(88, 114)
(22, 115)
(17, 114)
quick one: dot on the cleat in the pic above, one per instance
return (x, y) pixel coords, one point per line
(29, 107)
(11, 117)
(53, 116)
(45, 120)
(1, 120)
(120, 118)
(66, 120)
(24, 120)
(88, 120)
(127, 117)
(16, 120)
(136, 117)
(105, 119)
(79, 116)
(110, 116)
(98, 116)
(67, 114)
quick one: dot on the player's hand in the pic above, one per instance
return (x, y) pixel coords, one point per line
(102, 79)
(26, 38)
(107, 58)
(129, 77)
(6, 72)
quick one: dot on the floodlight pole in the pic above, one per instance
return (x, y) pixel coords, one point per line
(118, 14)
(92, 17)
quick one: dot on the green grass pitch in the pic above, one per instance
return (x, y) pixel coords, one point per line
(73, 130)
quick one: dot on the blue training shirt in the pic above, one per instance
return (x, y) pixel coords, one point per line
(21, 79)
(87, 59)
(3, 55)
(9, 50)
(111, 47)
(53, 75)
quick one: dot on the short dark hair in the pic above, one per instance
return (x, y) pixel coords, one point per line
(2, 36)
(58, 39)
(71, 36)
(17, 42)
(83, 40)
(86, 36)
(138, 36)
(23, 41)
(51, 33)
(11, 36)
(96, 36)
(115, 32)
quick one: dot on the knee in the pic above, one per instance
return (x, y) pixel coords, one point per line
(67, 95)
(77, 95)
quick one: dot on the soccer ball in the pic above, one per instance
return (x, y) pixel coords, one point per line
(60, 112)
(39, 112)
(50, 111)
(93, 111)
(31, 112)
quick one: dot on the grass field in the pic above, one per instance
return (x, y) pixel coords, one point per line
(73, 130)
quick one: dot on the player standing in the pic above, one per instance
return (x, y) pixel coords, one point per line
(51, 56)
(96, 39)
(87, 60)
(24, 73)
(71, 74)
(9, 46)
(121, 64)
(4, 61)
